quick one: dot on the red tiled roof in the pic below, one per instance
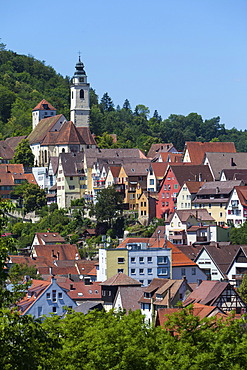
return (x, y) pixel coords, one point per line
(80, 290)
(40, 106)
(69, 135)
(57, 251)
(86, 135)
(197, 150)
(115, 170)
(159, 168)
(200, 310)
(178, 257)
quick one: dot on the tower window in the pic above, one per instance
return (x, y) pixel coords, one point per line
(81, 94)
(81, 79)
(72, 96)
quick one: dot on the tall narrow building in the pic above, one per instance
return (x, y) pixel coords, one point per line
(79, 106)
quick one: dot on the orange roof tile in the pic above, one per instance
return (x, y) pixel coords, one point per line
(178, 257)
(197, 150)
(40, 106)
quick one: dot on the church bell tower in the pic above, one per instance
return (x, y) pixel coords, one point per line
(79, 99)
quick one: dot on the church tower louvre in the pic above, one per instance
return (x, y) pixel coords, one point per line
(79, 98)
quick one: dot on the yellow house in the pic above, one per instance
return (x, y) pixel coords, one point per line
(113, 261)
(214, 197)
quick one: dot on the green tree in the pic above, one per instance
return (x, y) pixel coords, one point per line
(242, 289)
(108, 205)
(238, 235)
(24, 154)
(106, 103)
(32, 196)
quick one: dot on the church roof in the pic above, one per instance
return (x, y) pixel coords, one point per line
(42, 129)
(44, 105)
(86, 135)
(69, 134)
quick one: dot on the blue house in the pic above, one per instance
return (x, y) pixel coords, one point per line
(45, 298)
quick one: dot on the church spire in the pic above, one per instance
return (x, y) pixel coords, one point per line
(79, 107)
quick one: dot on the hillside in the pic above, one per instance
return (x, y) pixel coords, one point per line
(24, 81)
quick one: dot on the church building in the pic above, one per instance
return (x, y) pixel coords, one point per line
(52, 134)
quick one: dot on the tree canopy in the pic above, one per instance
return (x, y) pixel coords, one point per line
(24, 154)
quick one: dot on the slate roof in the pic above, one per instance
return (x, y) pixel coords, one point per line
(40, 106)
(43, 127)
(222, 161)
(130, 296)
(87, 306)
(136, 168)
(190, 172)
(216, 188)
(197, 150)
(120, 279)
(72, 163)
(113, 156)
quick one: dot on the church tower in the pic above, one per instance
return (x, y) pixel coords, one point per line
(79, 100)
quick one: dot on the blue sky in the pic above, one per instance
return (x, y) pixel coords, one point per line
(176, 56)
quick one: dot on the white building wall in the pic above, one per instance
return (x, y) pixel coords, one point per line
(102, 271)
(204, 262)
(192, 273)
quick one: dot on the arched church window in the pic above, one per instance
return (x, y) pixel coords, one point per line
(81, 94)
(45, 156)
(63, 150)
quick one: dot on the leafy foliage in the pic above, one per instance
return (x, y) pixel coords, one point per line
(238, 235)
(24, 154)
(32, 196)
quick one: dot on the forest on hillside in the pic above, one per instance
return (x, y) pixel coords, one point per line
(24, 81)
